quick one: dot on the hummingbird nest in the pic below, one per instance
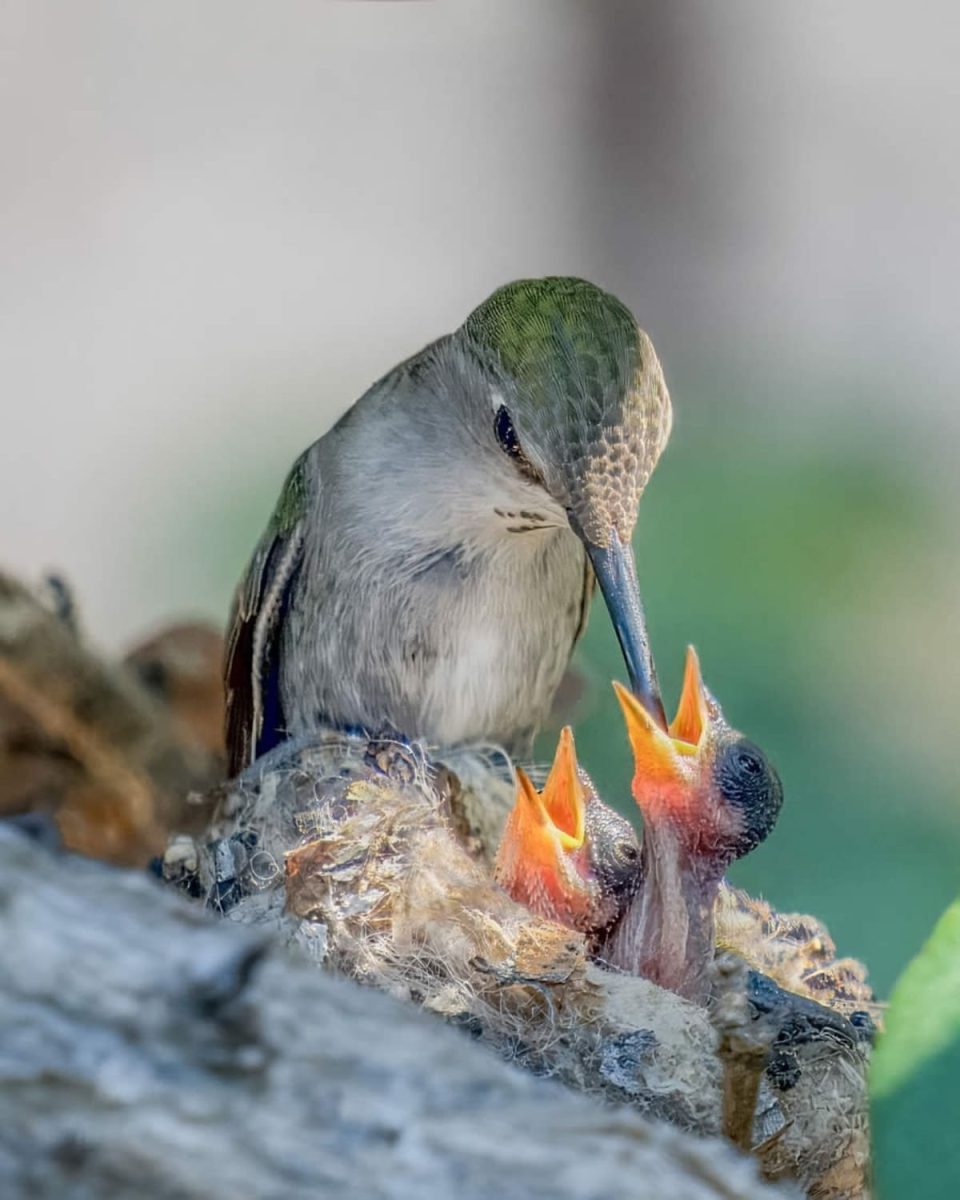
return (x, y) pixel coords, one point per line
(375, 860)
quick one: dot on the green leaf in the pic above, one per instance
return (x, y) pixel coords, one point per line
(915, 1075)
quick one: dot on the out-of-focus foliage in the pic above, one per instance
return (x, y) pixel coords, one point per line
(915, 1074)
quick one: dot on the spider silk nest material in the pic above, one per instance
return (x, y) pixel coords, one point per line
(376, 861)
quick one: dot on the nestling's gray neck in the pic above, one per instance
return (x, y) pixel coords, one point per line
(667, 933)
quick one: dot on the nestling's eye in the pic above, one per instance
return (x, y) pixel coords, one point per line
(743, 771)
(749, 762)
(506, 434)
(627, 851)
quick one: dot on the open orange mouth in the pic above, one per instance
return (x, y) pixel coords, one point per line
(542, 836)
(559, 811)
(668, 756)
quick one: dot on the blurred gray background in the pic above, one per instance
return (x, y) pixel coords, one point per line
(221, 222)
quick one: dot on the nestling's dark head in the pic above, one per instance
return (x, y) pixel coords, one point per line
(716, 790)
(613, 849)
(566, 855)
(748, 785)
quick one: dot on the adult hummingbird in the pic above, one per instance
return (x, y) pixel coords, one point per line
(429, 565)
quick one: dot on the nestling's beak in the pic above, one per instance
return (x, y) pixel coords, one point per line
(542, 829)
(693, 712)
(617, 576)
(556, 816)
(667, 760)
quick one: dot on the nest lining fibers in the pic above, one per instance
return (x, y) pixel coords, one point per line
(375, 860)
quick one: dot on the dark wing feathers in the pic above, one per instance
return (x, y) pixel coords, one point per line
(589, 587)
(251, 669)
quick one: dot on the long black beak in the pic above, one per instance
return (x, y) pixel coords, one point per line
(617, 575)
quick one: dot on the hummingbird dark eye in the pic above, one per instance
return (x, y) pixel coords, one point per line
(506, 434)
(510, 444)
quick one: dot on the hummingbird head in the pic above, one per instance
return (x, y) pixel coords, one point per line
(563, 853)
(580, 407)
(715, 790)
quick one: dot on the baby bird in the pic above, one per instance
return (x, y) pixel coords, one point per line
(708, 796)
(563, 853)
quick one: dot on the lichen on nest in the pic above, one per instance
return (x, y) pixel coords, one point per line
(375, 859)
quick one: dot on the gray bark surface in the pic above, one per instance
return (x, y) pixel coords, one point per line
(149, 1050)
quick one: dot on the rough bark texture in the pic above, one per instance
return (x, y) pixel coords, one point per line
(151, 1051)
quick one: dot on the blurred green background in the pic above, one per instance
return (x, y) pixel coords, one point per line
(221, 223)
